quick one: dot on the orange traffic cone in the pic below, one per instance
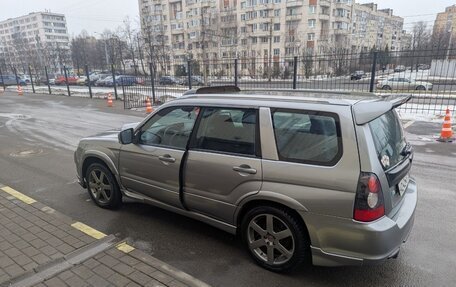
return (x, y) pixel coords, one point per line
(109, 100)
(19, 91)
(446, 135)
(148, 106)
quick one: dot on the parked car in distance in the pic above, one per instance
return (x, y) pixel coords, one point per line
(25, 78)
(423, 67)
(196, 81)
(321, 178)
(82, 81)
(103, 80)
(400, 68)
(357, 75)
(403, 84)
(60, 80)
(51, 77)
(140, 81)
(123, 80)
(11, 80)
(168, 80)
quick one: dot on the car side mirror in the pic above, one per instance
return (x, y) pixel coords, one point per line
(126, 136)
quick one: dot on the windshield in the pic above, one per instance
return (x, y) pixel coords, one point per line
(388, 138)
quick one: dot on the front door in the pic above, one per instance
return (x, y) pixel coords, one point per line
(151, 166)
(224, 163)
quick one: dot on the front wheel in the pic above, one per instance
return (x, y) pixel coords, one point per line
(276, 240)
(102, 186)
(386, 88)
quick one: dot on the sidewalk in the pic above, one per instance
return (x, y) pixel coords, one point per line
(41, 247)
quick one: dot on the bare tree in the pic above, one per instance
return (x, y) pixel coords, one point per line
(130, 39)
(421, 36)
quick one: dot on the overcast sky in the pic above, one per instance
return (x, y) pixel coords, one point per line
(98, 15)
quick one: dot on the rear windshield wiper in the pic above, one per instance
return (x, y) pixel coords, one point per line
(407, 150)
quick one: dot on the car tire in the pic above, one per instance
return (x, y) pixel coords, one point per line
(102, 186)
(386, 88)
(259, 240)
(421, 88)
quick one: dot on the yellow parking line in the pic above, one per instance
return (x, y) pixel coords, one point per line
(18, 195)
(124, 247)
(88, 230)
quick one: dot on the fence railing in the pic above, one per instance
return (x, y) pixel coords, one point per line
(428, 75)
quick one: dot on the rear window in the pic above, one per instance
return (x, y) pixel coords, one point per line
(388, 138)
(307, 136)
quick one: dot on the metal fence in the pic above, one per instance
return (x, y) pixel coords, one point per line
(428, 75)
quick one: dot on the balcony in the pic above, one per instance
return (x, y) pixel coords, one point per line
(294, 3)
(296, 17)
(323, 16)
(341, 31)
(325, 3)
(344, 19)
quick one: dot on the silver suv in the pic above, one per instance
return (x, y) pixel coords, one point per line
(323, 179)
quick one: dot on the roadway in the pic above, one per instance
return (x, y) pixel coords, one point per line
(38, 134)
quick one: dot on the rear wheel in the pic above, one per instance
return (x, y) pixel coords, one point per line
(386, 87)
(275, 239)
(421, 88)
(102, 186)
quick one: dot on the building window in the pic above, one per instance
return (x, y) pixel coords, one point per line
(312, 23)
(276, 52)
(312, 9)
(254, 40)
(276, 39)
(277, 12)
(311, 36)
(277, 27)
(264, 39)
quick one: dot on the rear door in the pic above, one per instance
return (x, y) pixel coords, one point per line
(223, 162)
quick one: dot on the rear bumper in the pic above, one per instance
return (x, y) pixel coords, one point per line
(341, 241)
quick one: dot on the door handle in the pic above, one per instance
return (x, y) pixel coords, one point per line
(167, 158)
(243, 168)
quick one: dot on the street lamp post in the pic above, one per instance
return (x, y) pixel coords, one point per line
(449, 42)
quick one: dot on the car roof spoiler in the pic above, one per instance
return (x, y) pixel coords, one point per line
(367, 111)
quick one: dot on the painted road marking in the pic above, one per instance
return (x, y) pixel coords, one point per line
(88, 230)
(18, 195)
(407, 124)
(124, 247)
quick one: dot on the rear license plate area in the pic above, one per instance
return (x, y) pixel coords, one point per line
(402, 185)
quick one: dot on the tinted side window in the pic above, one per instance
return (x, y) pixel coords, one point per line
(227, 131)
(307, 136)
(170, 127)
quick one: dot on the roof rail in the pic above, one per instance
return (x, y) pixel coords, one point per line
(213, 90)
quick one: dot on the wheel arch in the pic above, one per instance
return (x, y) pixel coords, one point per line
(291, 206)
(98, 157)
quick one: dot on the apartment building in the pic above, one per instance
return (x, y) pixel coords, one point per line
(34, 39)
(373, 27)
(444, 30)
(268, 30)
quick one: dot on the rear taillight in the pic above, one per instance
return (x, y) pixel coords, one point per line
(369, 204)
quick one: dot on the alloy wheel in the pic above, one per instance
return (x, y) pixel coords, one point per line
(270, 239)
(99, 186)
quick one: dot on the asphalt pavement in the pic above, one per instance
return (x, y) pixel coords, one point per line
(39, 133)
